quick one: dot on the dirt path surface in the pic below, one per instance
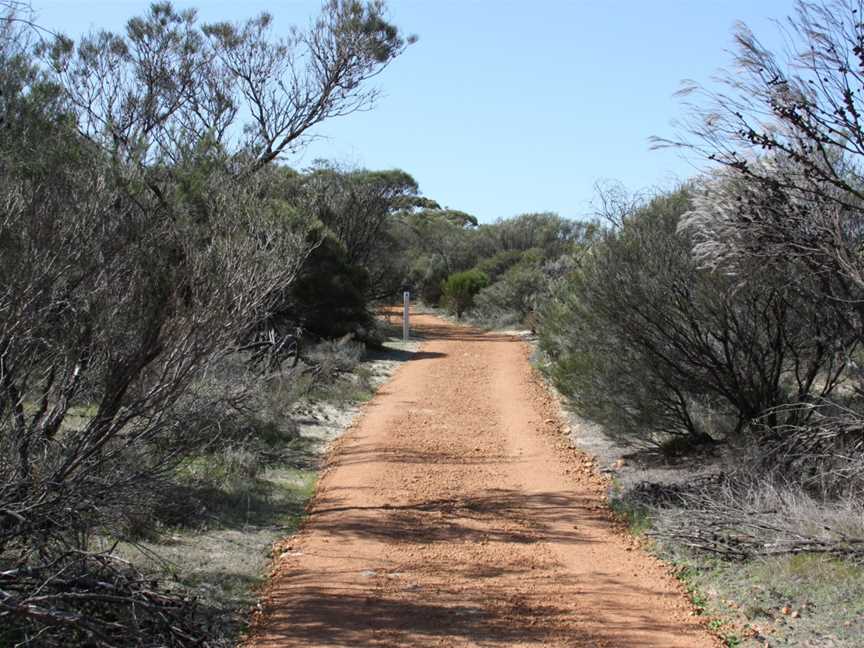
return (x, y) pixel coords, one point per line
(454, 514)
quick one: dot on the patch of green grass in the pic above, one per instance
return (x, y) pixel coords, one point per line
(293, 487)
(76, 417)
(688, 576)
(275, 497)
(637, 517)
(270, 434)
(715, 625)
(229, 469)
(719, 627)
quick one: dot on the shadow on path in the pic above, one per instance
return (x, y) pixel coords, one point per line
(498, 515)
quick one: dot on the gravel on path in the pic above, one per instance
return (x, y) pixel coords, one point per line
(455, 512)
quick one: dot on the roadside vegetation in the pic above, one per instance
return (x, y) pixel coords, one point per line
(716, 331)
(154, 293)
(223, 510)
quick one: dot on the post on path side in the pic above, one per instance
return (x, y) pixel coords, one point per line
(406, 300)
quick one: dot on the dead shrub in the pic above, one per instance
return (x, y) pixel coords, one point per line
(746, 512)
(331, 358)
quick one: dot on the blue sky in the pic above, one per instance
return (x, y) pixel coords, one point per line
(504, 107)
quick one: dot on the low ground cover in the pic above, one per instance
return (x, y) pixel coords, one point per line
(224, 510)
(767, 566)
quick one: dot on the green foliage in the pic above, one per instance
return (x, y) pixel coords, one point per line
(460, 288)
(426, 275)
(545, 231)
(329, 297)
(356, 205)
(638, 517)
(499, 263)
(514, 297)
(827, 592)
(442, 242)
(647, 343)
(438, 242)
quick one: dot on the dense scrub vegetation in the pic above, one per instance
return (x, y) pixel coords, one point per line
(727, 315)
(147, 241)
(654, 346)
(498, 273)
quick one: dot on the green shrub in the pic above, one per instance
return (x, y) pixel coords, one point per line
(225, 468)
(498, 264)
(513, 298)
(427, 275)
(646, 342)
(330, 295)
(460, 288)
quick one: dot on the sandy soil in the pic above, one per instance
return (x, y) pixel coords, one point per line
(455, 513)
(322, 422)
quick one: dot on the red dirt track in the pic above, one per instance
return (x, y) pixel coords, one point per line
(454, 513)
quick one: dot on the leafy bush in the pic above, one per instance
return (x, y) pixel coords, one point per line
(460, 288)
(329, 297)
(548, 233)
(357, 207)
(513, 298)
(499, 263)
(427, 275)
(225, 468)
(440, 242)
(643, 340)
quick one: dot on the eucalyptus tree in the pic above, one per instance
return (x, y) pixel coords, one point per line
(141, 233)
(360, 209)
(439, 241)
(156, 93)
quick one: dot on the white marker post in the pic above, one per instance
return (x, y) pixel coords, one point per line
(406, 299)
